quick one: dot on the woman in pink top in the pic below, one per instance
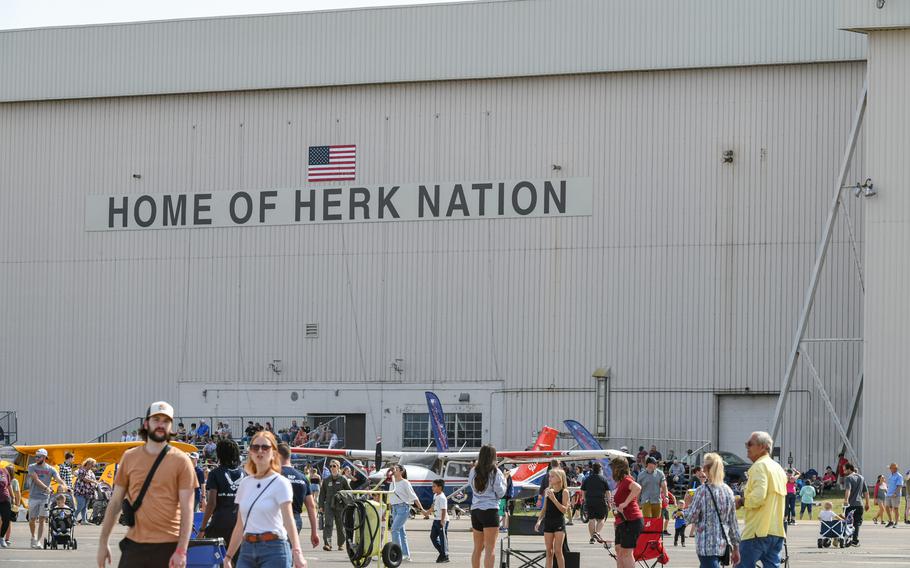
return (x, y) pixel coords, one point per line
(790, 505)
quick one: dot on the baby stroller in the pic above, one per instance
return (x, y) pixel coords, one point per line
(836, 532)
(99, 503)
(649, 549)
(60, 531)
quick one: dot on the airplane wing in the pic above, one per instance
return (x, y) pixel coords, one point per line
(363, 455)
(534, 456)
(105, 452)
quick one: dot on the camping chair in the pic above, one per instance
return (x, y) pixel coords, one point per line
(649, 549)
(520, 525)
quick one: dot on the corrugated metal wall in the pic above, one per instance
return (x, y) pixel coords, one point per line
(886, 389)
(417, 43)
(687, 279)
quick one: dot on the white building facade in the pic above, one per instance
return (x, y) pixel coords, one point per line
(698, 145)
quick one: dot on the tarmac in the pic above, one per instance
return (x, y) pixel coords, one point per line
(880, 547)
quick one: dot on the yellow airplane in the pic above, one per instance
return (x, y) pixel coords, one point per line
(106, 453)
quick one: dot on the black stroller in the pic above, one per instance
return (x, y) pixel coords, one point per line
(61, 522)
(99, 503)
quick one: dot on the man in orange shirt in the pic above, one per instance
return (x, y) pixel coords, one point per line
(160, 533)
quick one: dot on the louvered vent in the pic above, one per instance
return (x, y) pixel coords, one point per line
(312, 330)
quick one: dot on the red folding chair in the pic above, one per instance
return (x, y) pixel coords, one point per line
(649, 549)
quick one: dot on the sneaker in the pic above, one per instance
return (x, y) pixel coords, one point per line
(894, 526)
(591, 541)
(570, 523)
(854, 543)
(35, 544)
(906, 522)
(665, 533)
(445, 559)
(340, 547)
(327, 547)
(503, 529)
(3, 544)
(406, 558)
(684, 545)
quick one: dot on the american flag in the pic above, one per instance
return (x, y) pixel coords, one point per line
(332, 163)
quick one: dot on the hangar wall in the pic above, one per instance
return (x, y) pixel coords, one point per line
(686, 281)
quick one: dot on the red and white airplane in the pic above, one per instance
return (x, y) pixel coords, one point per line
(453, 467)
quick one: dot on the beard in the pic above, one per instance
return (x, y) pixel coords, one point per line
(159, 435)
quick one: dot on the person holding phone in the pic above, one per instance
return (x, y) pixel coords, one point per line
(553, 516)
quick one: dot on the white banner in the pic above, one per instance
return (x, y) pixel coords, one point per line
(413, 202)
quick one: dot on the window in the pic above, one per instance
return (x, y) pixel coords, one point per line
(464, 429)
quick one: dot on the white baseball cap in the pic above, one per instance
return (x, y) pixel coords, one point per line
(160, 407)
(41, 452)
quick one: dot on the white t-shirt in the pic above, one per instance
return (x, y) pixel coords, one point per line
(440, 503)
(265, 515)
(826, 516)
(402, 492)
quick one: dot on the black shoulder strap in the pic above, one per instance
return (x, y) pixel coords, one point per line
(148, 480)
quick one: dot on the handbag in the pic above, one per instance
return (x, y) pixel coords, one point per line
(725, 557)
(128, 517)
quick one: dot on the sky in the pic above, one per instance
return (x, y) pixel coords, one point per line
(15, 14)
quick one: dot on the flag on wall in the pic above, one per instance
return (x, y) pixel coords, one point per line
(332, 163)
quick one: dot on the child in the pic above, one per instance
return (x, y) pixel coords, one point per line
(827, 514)
(439, 534)
(680, 524)
(61, 518)
(806, 500)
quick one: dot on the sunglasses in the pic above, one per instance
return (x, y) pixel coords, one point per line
(333, 467)
(260, 447)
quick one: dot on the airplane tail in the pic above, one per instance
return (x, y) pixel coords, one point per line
(587, 441)
(545, 441)
(438, 422)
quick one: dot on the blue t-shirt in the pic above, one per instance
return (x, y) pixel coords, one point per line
(300, 487)
(200, 478)
(680, 522)
(203, 430)
(895, 482)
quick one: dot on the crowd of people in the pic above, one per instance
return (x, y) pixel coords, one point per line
(257, 505)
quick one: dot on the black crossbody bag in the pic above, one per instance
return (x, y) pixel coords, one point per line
(129, 509)
(725, 558)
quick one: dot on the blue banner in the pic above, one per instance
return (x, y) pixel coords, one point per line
(437, 422)
(587, 441)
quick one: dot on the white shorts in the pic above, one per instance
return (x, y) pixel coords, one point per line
(37, 508)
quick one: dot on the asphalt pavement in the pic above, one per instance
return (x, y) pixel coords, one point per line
(880, 547)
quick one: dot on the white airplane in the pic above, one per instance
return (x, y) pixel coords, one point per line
(453, 467)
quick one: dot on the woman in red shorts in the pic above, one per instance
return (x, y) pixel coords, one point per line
(629, 520)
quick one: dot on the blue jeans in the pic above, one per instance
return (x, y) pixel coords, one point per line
(399, 518)
(767, 549)
(81, 507)
(709, 562)
(439, 536)
(272, 554)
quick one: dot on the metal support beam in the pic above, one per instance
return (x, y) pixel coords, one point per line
(824, 394)
(854, 408)
(822, 252)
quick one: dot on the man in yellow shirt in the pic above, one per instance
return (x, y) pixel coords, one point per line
(764, 499)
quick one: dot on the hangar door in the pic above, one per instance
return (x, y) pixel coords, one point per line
(740, 415)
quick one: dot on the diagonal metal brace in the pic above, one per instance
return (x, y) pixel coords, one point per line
(831, 411)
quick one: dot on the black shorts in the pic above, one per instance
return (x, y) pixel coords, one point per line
(627, 533)
(596, 509)
(145, 555)
(484, 519)
(510, 506)
(554, 525)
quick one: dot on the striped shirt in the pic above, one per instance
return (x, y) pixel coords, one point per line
(709, 535)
